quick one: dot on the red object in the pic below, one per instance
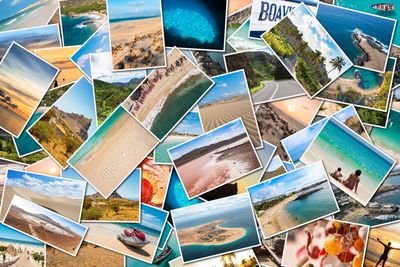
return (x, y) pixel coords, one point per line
(315, 252)
(346, 256)
(147, 191)
(139, 234)
(127, 233)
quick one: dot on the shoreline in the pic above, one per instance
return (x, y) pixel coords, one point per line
(346, 83)
(95, 19)
(372, 57)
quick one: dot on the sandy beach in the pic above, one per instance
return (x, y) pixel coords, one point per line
(114, 157)
(105, 235)
(137, 43)
(88, 255)
(209, 234)
(276, 218)
(376, 59)
(346, 84)
(70, 208)
(219, 113)
(218, 167)
(22, 259)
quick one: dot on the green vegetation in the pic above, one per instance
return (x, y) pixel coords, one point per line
(53, 95)
(278, 43)
(337, 63)
(38, 257)
(374, 117)
(79, 7)
(109, 96)
(306, 77)
(257, 88)
(8, 151)
(268, 204)
(384, 91)
(111, 209)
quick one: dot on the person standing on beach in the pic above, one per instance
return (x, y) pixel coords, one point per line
(353, 180)
(385, 253)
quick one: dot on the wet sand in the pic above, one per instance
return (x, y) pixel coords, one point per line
(115, 156)
(218, 167)
(142, 40)
(276, 218)
(217, 114)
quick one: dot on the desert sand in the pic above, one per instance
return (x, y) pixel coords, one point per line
(89, 255)
(106, 236)
(276, 218)
(217, 114)
(137, 43)
(377, 59)
(209, 234)
(114, 157)
(70, 208)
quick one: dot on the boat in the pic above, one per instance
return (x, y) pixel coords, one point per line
(383, 6)
(132, 241)
(163, 255)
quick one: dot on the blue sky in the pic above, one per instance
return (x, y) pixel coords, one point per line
(397, 93)
(79, 99)
(208, 208)
(7, 232)
(46, 184)
(133, 8)
(346, 113)
(152, 217)
(274, 164)
(224, 132)
(226, 86)
(297, 143)
(317, 37)
(190, 124)
(288, 182)
(128, 189)
(99, 42)
(36, 209)
(72, 174)
(10, 7)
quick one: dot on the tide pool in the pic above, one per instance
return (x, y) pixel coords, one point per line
(74, 30)
(369, 79)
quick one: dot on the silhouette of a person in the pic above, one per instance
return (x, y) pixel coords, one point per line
(385, 253)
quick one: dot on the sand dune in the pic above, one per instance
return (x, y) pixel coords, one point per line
(70, 208)
(221, 113)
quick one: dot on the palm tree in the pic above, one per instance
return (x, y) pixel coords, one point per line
(337, 63)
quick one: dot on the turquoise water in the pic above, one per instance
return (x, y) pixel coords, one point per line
(240, 39)
(354, 152)
(165, 235)
(172, 243)
(161, 151)
(25, 143)
(238, 218)
(130, 19)
(389, 139)
(74, 32)
(314, 206)
(98, 135)
(365, 5)
(21, 242)
(178, 103)
(369, 79)
(10, 23)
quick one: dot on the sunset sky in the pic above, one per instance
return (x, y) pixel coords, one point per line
(300, 108)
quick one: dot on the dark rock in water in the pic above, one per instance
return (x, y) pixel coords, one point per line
(220, 192)
(357, 74)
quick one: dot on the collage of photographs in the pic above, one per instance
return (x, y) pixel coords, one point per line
(199, 133)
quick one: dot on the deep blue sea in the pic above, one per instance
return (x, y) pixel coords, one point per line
(74, 32)
(340, 26)
(25, 143)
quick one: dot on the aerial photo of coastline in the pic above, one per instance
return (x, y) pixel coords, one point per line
(111, 88)
(215, 158)
(61, 195)
(136, 33)
(188, 128)
(363, 88)
(195, 24)
(383, 246)
(113, 235)
(24, 14)
(96, 255)
(45, 225)
(309, 53)
(24, 80)
(113, 152)
(31, 38)
(123, 204)
(4, 166)
(363, 166)
(266, 77)
(229, 99)
(46, 166)
(80, 19)
(71, 120)
(366, 39)
(167, 94)
(60, 57)
(239, 186)
(279, 119)
(315, 244)
(155, 181)
(293, 199)
(215, 227)
(21, 250)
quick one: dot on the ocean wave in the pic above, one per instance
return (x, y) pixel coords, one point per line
(241, 43)
(82, 25)
(11, 21)
(387, 217)
(383, 47)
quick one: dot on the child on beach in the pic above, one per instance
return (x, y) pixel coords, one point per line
(337, 174)
(353, 180)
